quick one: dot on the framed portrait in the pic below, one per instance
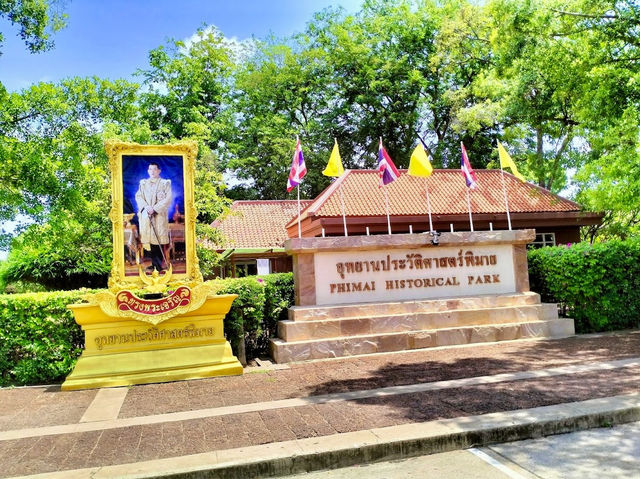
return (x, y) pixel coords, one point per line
(152, 212)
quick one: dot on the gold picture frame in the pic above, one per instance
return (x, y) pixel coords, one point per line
(132, 157)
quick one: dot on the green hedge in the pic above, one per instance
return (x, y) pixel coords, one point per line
(262, 302)
(596, 285)
(40, 341)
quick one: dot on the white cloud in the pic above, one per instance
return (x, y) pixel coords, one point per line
(241, 50)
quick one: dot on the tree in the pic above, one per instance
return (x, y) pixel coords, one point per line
(279, 94)
(369, 58)
(186, 89)
(55, 173)
(527, 87)
(356, 78)
(186, 97)
(609, 179)
(37, 20)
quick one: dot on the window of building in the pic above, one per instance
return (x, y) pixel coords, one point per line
(544, 239)
(246, 268)
(264, 266)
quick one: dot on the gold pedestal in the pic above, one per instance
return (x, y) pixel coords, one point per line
(122, 352)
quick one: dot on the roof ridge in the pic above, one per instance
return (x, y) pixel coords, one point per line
(443, 181)
(328, 191)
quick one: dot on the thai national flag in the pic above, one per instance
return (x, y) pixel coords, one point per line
(298, 168)
(467, 171)
(388, 171)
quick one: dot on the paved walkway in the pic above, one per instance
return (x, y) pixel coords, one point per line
(43, 429)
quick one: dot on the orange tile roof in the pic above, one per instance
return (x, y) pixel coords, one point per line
(447, 194)
(258, 224)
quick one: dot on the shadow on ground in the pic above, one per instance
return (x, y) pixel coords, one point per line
(503, 396)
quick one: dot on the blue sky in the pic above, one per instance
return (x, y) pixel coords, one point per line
(112, 38)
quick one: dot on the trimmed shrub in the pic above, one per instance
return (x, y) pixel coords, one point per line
(39, 339)
(596, 285)
(279, 296)
(262, 302)
(243, 322)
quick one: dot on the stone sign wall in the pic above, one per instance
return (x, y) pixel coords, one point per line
(376, 294)
(361, 269)
(402, 274)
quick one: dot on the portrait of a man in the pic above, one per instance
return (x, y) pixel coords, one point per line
(153, 199)
(153, 212)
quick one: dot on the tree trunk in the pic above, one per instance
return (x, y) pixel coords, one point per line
(540, 156)
(241, 348)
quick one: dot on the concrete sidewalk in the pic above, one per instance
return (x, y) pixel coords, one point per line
(276, 421)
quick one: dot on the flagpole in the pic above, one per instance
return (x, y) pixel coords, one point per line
(298, 190)
(299, 228)
(426, 187)
(506, 201)
(386, 201)
(344, 216)
(469, 204)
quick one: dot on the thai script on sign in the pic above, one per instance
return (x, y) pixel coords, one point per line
(153, 334)
(127, 301)
(415, 261)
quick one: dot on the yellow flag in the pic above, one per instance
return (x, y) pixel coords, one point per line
(507, 162)
(419, 165)
(334, 167)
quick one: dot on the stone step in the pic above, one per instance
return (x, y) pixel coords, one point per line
(359, 310)
(284, 352)
(350, 326)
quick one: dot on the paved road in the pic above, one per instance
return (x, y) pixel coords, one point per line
(594, 454)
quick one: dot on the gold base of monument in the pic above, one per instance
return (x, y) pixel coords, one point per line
(125, 352)
(158, 366)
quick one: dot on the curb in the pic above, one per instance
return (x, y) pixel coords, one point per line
(382, 444)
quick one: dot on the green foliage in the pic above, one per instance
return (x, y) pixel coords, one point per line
(19, 287)
(209, 189)
(186, 87)
(278, 94)
(39, 339)
(55, 173)
(262, 302)
(51, 146)
(244, 320)
(597, 285)
(64, 253)
(37, 20)
(209, 259)
(279, 296)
